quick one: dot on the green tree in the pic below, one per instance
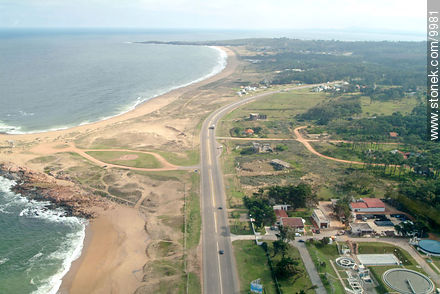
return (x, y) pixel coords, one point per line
(287, 267)
(261, 210)
(280, 246)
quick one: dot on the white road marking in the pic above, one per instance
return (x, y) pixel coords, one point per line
(211, 182)
(219, 270)
(213, 200)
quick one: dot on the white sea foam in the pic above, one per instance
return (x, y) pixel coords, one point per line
(220, 66)
(4, 260)
(24, 113)
(67, 252)
(4, 128)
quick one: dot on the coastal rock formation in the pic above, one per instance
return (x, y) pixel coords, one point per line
(61, 194)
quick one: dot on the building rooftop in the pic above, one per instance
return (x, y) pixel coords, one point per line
(280, 213)
(378, 259)
(368, 203)
(374, 202)
(358, 205)
(320, 214)
(295, 222)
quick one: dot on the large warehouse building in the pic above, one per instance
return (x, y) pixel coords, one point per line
(368, 205)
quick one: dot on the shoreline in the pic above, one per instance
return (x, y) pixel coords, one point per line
(121, 230)
(102, 229)
(67, 279)
(222, 65)
(104, 254)
(51, 201)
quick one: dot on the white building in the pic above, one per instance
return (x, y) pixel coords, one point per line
(281, 207)
(320, 219)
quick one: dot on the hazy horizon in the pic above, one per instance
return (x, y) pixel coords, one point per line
(343, 15)
(199, 34)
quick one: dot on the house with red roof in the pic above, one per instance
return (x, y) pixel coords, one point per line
(279, 213)
(295, 223)
(368, 205)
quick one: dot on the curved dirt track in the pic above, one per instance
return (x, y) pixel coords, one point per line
(309, 147)
(165, 165)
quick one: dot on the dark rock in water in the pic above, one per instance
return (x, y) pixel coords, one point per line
(42, 187)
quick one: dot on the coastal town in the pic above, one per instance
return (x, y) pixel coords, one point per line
(215, 161)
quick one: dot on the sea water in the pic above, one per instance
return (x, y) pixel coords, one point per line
(58, 79)
(37, 244)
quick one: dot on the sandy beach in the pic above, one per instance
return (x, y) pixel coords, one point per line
(117, 244)
(113, 254)
(142, 109)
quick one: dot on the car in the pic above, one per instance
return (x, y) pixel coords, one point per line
(221, 252)
(220, 207)
(301, 241)
(212, 127)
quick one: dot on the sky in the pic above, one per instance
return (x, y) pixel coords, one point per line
(390, 15)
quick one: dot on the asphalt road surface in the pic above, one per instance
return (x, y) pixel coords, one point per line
(219, 270)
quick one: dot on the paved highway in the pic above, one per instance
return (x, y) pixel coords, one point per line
(219, 270)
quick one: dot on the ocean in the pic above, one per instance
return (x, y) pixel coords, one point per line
(37, 244)
(53, 80)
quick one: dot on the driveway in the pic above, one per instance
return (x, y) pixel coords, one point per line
(310, 266)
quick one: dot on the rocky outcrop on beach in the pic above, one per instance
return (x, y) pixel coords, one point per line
(61, 194)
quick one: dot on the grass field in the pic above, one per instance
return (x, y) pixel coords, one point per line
(252, 264)
(114, 157)
(327, 273)
(325, 193)
(280, 109)
(347, 152)
(370, 108)
(187, 158)
(194, 220)
(240, 228)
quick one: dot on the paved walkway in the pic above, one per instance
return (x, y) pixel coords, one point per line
(310, 266)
